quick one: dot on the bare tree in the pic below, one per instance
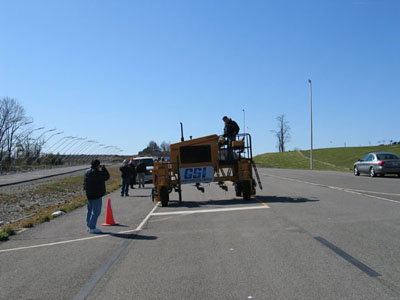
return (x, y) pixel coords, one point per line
(12, 119)
(283, 133)
(164, 146)
(153, 146)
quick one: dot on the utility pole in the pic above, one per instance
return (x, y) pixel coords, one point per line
(244, 121)
(311, 148)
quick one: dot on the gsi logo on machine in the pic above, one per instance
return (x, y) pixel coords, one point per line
(196, 174)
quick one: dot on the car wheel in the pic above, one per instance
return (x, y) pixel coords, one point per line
(372, 172)
(356, 172)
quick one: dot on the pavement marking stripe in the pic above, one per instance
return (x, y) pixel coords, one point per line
(86, 238)
(347, 190)
(187, 212)
(91, 284)
(355, 262)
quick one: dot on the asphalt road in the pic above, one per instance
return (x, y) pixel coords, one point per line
(30, 176)
(307, 235)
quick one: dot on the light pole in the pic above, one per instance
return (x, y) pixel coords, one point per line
(44, 132)
(57, 133)
(86, 154)
(44, 142)
(244, 121)
(75, 150)
(64, 139)
(311, 149)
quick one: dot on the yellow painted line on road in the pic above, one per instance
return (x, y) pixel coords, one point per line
(262, 203)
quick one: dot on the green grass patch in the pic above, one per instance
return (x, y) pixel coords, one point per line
(6, 232)
(335, 159)
(289, 160)
(9, 230)
(346, 157)
(3, 236)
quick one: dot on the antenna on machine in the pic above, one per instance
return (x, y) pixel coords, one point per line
(182, 138)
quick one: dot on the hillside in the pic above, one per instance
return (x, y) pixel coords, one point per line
(337, 159)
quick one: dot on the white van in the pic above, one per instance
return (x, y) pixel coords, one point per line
(149, 163)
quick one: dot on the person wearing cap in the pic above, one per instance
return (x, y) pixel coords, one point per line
(126, 177)
(231, 129)
(94, 185)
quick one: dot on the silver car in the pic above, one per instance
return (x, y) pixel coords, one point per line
(378, 163)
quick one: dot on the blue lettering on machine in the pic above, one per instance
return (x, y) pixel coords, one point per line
(196, 175)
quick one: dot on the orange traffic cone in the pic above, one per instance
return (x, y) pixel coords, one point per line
(109, 216)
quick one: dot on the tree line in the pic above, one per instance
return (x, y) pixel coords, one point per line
(16, 140)
(153, 149)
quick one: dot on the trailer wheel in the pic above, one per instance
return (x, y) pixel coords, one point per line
(238, 189)
(164, 196)
(246, 190)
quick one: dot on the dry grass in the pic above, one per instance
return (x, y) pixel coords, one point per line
(71, 188)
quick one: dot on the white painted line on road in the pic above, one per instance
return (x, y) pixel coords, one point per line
(188, 212)
(86, 238)
(147, 217)
(347, 190)
(378, 193)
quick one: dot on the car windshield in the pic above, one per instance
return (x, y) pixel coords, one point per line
(148, 162)
(387, 156)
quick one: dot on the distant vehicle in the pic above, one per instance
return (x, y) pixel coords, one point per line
(149, 163)
(378, 163)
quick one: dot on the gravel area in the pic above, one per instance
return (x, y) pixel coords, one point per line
(22, 200)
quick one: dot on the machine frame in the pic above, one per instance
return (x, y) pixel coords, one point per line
(206, 159)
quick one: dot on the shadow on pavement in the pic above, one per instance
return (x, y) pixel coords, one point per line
(174, 203)
(132, 236)
(138, 196)
(275, 199)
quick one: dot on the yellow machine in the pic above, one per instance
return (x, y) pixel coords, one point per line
(204, 160)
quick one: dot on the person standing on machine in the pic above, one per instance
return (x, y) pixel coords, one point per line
(231, 129)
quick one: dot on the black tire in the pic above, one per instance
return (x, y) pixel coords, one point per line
(398, 174)
(164, 196)
(372, 172)
(356, 172)
(246, 190)
(238, 189)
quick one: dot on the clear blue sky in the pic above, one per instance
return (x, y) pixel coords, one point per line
(127, 72)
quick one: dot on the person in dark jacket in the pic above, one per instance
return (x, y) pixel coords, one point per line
(95, 187)
(133, 173)
(231, 129)
(141, 170)
(126, 177)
